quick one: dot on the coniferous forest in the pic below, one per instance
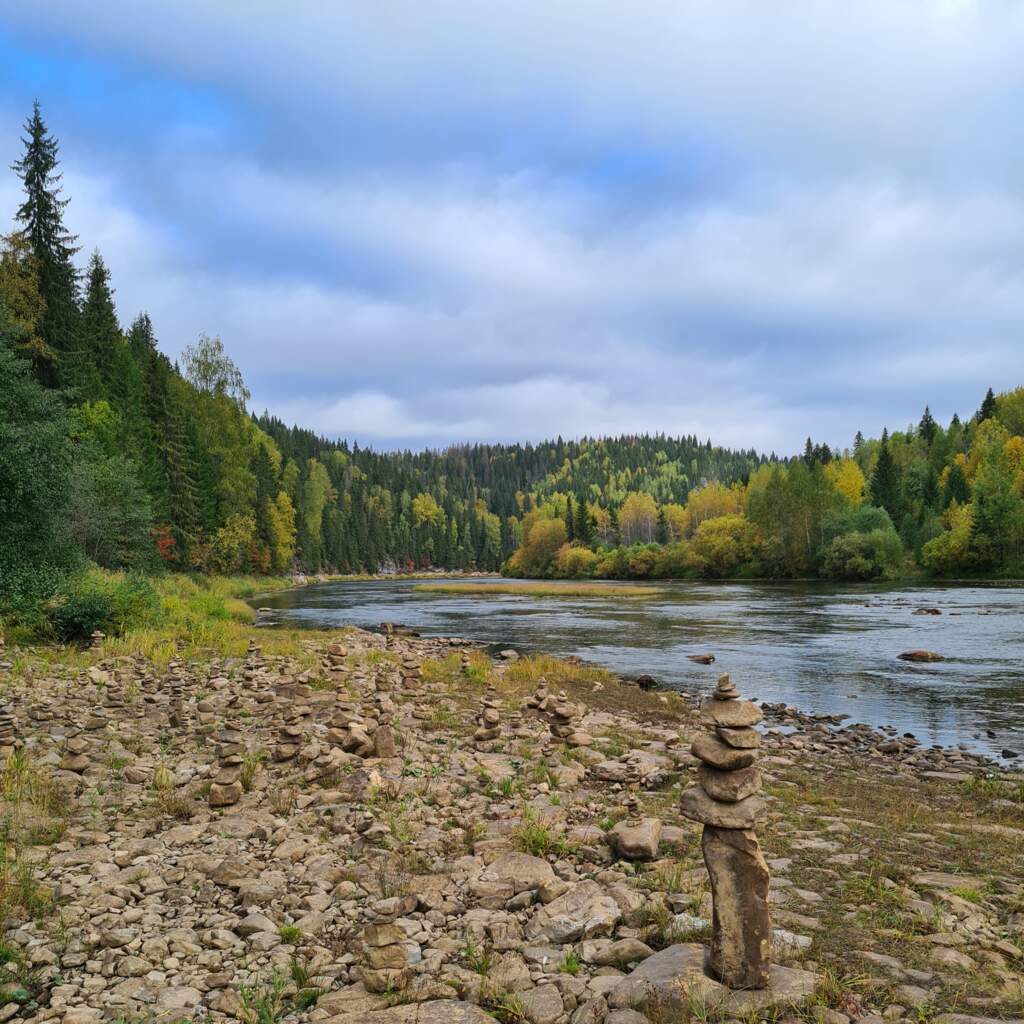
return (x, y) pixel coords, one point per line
(114, 456)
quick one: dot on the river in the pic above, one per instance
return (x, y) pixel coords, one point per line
(821, 647)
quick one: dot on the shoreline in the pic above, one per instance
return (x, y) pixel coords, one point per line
(895, 878)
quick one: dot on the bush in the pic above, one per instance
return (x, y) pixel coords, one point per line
(864, 556)
(95, 600)
(575, 562)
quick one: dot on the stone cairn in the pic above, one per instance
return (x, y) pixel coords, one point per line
(384, 745)
(385, 948)
(5, 666)
(253, 664)
(726, 802)
(353, 732)
(565, 721)
(176, 714)
(9, 741)
(96, 640)
(226, 788)
(489, 718)
(76, 753)
(412, 673)
(467, 664)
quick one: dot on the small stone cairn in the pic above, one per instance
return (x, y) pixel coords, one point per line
(9, 741)
(96, 640)
(385, 948)
(352, 732)
(336, 655)
(76, 754)
(538, 700)
(565, 721)
(489, 719)
(412, 673)
(226, 788)
(726, 801)
(5, 666)
(466, 663)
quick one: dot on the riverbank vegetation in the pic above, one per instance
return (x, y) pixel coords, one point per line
(944, 501)
(115, 458)
(540, 589)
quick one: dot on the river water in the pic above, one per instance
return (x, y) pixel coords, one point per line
(821, 647)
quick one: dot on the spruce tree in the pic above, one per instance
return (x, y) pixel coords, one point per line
(885, 481)
(927, 428)
(988, 407)
(570, 522)
(583, 524)
(98, 366)
(42, 217)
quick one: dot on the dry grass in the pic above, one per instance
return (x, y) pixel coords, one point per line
(548, 589)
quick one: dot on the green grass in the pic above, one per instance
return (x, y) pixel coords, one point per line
(540, 589)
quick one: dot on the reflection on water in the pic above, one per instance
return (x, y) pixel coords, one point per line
(821, 647)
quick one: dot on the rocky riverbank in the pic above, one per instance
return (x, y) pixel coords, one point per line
(360, 828)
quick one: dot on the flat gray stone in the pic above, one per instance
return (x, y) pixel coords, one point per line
(669, 975)
(696, 805)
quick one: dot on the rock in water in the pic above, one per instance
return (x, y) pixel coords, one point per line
(740, 954)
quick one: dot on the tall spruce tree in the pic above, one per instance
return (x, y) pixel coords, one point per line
(988, 407)
(927, 428)
(885, 481)
(99, 363)
(42, 217)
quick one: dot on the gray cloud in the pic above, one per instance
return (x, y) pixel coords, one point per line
(410, 227)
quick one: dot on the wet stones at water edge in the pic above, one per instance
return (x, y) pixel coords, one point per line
(726, 802)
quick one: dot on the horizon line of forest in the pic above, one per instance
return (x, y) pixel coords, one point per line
(112, 456)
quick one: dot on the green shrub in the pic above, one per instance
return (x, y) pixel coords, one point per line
(95, 600)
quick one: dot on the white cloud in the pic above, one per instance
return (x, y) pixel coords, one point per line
(481, 221)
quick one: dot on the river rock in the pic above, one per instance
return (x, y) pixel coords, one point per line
(674, 977)
(586, 911)
(714, 752)
(730, 714)
(923, 656)
(741, 739)
(744, 814)
(729, 786)
(636, 840)
(741, 929)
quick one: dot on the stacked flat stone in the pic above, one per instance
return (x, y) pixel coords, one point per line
(386, 949)
(726, 801)
(76, 754)
(336, 655)
(289, 737)
(9, 741)
(412, 673)
(96, 640)
(564, 721)
(226, 788)
(5, 666)
(467, 663)
(352, 732)
(489, 719)
(384, 745)
(540, 697)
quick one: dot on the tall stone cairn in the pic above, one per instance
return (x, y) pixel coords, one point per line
(726, 802)
(9, 741)
(96, 639)
(226, 788)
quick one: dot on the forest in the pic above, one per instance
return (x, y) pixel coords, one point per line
(113, 456)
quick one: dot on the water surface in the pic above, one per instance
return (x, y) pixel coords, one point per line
(821, 647)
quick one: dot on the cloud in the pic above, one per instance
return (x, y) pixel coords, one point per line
(417, 226)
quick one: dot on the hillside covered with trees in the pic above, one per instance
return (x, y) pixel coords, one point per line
(113, 455)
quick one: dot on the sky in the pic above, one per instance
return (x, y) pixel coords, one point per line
(420, 224)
